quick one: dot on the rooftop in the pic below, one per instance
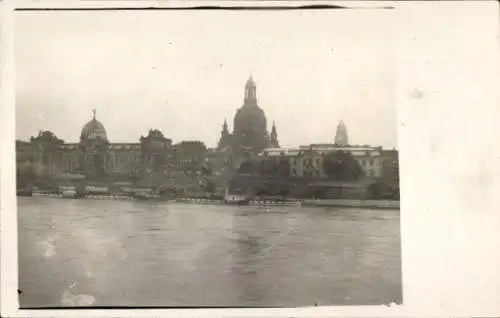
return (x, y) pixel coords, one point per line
(293, 151)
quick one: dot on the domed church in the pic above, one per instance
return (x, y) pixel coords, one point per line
(250, 126)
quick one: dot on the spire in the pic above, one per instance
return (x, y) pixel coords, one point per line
(341, 137)
(274, 137)
(225, 136)
(94, 111)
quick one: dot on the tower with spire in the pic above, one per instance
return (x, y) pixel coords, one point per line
(274, 143)
(341, 138)
(225, 137)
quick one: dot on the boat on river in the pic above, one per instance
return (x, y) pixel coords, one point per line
(292, 203)
(69, 194)
(260, 201)
(236, 199)
(143, 196)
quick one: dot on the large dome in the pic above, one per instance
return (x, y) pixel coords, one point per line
(93, 130)
(250, 128)
(250, 116)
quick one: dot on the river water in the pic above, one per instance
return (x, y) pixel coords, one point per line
(127, 253)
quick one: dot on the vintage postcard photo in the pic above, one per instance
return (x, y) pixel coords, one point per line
(207, 158)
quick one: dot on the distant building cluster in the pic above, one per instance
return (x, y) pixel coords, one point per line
(94, 155)
(307, 161)
(250, 134)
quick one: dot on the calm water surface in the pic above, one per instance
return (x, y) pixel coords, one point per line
(124, 253)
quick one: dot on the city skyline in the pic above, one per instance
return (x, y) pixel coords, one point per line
(186, 85)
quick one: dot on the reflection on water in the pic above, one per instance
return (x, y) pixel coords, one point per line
(112, 253)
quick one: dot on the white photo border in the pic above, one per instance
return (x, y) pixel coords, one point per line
(437, 226)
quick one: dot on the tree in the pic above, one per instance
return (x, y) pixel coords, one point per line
(341, 166)
(284, 167)
(377, 189)
(34, 174)
(274, 167)
(210, 186)
(247, 167)
(206, 169)
(390, 174)
(190, 149)
(268, 167)
(136, 177)
(25, 173)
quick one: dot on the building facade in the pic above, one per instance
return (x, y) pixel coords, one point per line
(93, 155)
(307, 160)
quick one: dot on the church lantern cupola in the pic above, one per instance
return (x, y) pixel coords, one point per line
(251, 92)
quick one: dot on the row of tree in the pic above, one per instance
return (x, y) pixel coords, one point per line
(269, 167)
(33, 174)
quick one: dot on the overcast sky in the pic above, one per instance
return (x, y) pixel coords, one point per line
(183, 72)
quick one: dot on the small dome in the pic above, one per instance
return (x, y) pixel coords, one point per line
(93, 130)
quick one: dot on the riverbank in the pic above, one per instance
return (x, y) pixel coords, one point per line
(335, 203)
(88, 196)
(348, 203)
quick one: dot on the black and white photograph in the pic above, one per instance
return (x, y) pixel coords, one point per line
(207, 158)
